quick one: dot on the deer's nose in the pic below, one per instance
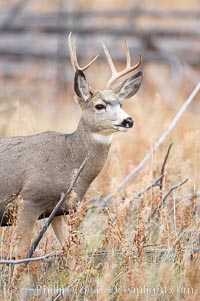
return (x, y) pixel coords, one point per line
(128, 122)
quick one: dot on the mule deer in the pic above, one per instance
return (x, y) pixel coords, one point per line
(38, 168)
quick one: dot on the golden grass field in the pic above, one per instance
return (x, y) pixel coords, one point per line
(119, 253)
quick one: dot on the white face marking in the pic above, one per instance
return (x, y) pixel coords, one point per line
(105, 139)
(120, 115)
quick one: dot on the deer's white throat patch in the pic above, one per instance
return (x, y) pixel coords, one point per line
(105, 139)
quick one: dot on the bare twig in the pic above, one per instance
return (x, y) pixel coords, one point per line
(161, 203)
(158, 143)
(173, 188)
(56, 208)
(159, 181)
(26, 260)
(137, 195)
(164, 163)
(154, 184)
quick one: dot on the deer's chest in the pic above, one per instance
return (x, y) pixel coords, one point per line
(46, 186)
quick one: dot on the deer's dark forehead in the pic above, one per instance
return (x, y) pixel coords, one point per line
(109, 97)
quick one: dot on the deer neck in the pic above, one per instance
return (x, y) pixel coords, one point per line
(85, 141)
(92, 139)
(81, 143)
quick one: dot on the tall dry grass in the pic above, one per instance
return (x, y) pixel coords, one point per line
(118, 253)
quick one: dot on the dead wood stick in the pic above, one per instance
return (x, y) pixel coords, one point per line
(148, 187)
(158, 143)
(56, 208)
(164, 164)
(155, 183)
(27, 260)
(173, 188)
(161, 203)
(158, 182)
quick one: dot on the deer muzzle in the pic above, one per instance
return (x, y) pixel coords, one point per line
(128, 122)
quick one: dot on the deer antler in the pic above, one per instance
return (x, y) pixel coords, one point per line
(116, 75)
(73, 56)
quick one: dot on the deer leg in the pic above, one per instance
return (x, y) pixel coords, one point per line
(26, 218)
(61, 230)
(60, 223)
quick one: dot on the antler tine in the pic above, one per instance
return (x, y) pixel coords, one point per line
(128, 56)
(71, 51)
(109, 59)
(73, 55)
(116, 75)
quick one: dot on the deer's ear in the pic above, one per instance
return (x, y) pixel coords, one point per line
(130, 86)
(81, 87)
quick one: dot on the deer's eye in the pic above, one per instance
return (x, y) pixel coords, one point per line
(100, 107)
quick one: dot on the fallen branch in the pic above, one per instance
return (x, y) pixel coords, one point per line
(173, 188)
(158, 143)
(159, 181)
(161, 203)
(154, 184)
(164, 164)
(27, 260)
(57, 207)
